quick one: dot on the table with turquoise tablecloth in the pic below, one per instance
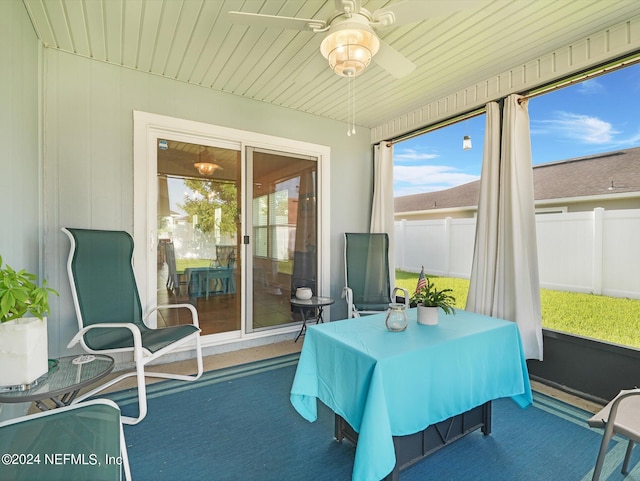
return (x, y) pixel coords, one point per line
(388, 384)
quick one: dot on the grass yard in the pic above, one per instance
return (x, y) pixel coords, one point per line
(610, 319)
(182, 264)
(285, 267)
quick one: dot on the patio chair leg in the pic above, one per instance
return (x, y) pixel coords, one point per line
(627, 456)
(142, 397)
(603, 452)
(141, 374)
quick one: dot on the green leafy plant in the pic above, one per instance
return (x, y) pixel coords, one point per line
(20, 295)
(430, 296)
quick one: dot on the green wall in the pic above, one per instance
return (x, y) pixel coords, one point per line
(20, 163)
(20, 168)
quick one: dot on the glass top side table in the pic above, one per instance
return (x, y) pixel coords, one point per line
(315, 302)
(63, 381)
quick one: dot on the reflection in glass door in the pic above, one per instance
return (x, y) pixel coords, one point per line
(199, 229)
(283, 209)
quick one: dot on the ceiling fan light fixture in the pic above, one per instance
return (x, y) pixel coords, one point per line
(349, 47)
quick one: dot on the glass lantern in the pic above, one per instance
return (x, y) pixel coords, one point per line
(396, 320)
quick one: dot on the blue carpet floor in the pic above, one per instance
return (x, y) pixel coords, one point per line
(237, 424)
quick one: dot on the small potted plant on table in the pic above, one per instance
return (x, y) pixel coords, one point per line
(429, 300)
(23, 340)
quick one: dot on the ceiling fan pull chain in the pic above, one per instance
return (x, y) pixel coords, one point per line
(349, 78)
(353, 107)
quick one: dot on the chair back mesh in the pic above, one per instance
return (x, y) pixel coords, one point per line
(104, 282)
(367, 270)
(170, 254)
(92, 429)
(225, 256)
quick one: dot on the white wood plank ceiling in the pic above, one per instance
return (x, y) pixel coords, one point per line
(195, 41)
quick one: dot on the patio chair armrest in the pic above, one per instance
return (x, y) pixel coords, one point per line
(137, 338)
(616, 402)
(347, 292)
(194, 312)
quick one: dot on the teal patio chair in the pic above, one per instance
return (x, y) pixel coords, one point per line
(73, 443)
(366, 271)
(109, 311)
(175, 279)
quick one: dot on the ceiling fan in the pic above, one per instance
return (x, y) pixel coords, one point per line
(351, 42)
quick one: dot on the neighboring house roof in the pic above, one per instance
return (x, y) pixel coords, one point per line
(596, 175)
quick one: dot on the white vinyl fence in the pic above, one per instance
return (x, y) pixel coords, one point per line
(595, 252)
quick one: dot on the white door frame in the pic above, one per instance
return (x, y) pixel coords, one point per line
(147, 129)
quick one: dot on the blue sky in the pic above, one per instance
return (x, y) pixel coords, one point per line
(598, 115)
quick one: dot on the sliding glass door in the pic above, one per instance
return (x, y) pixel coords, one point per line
(199, 229)
(229, 224)
(284, 218)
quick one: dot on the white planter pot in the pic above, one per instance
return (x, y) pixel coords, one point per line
(23, 351)
(428, 315)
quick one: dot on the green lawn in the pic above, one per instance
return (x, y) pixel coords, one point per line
(611, 319)
(182, 264)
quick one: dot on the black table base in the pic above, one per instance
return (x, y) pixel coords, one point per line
(415, 447)
(317, 317)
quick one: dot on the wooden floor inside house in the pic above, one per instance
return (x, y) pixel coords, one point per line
(220, 311)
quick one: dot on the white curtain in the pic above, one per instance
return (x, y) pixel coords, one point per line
(504, 274)
(382, 207)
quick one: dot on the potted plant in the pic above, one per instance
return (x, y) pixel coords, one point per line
(428, 299)
(23, 340)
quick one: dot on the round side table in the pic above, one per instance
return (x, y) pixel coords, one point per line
(63, 381)
(315, 302)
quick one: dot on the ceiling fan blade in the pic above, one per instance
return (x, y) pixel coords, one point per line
(393, 61)
(410, 11)
(290, 23)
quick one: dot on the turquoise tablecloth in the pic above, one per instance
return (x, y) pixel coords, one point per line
(398, 383)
